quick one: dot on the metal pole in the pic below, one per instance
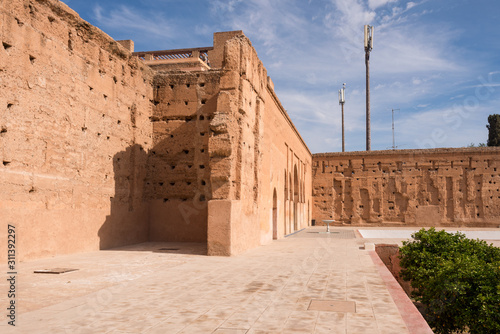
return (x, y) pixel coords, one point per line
(368, 47)
(393, 137)
(368, 135)
(341, 102)
(343, 138)
(393, 140)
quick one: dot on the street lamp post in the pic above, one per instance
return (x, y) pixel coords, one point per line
(341, 102)
(368, 47)
(393, 138)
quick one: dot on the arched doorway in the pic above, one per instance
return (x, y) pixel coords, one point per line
(275, 215)
(290, 204)
(295, 198)
(285, 201)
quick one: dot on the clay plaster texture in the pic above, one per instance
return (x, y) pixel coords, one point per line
(75, 129)
(102, 147)
(226, 151)
(436, 187)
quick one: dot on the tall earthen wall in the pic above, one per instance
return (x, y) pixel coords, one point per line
(178, 182)
(437, 187)
(100, 150)
(75, 129)
(252, 145)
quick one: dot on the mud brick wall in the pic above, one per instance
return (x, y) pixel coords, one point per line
(75, 131)
(100, 150)
(178, 168)
(438, 187)
(253, 148)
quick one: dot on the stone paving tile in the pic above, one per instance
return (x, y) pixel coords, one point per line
(266, 290)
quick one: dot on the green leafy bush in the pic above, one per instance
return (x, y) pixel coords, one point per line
(457, 279)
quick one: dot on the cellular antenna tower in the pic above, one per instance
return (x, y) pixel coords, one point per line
(368, 47)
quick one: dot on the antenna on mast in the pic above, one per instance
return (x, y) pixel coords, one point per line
(341, 102)
(368, 47)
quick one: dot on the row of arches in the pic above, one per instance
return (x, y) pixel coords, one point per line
(294, 207)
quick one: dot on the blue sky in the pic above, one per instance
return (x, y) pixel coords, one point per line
(437, 61)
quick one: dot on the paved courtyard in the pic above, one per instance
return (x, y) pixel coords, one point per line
(310, 282)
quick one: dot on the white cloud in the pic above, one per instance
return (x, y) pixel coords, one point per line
(410, 5)
(129, 19)
(374, 4)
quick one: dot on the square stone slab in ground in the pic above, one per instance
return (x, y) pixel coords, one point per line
(332, 306)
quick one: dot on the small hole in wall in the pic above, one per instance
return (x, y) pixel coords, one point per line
(107, 138)
(186, 102)
(158, 87)
(115, 79)
(118, 122)
(165, 200)
(171, 136)
(32, 59)
(172, 166)
(91, 89)
(171, 86)
(188, 183)
(32, 190)
(202, 134)
(189, 166)
(105, 96)
(203, 101)
(6, 46)
(9, 105)
(3, 130)
(172, 183)
(202, 166)
(202, 198)
(185, 151)
(6, 163)
(188, 85)
(203, 182)
(201, 118)
(156, 102)
(202, 150)
(161, 183)
(202, 84)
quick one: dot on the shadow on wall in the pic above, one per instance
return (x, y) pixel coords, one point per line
(127, 222)
(161, 195)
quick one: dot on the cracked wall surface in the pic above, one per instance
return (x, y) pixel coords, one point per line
(436, 187)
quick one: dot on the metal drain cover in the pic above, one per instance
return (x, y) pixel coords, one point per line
(54, 271)
(333, 306)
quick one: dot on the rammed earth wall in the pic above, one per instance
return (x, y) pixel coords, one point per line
(75, 129)
(100, 150)
(435, 187)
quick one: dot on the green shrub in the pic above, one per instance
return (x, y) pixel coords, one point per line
(457, 279)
